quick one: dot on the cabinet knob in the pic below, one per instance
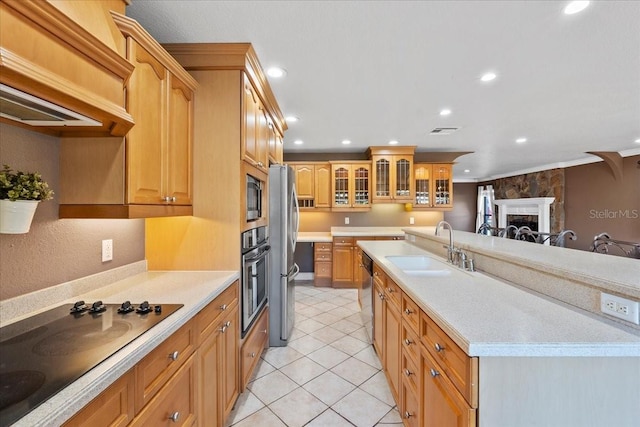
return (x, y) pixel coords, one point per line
(223, 307)
(264, 331)
(225, 326)
(407, 341)
(174, 356)
(407, 414)
(408, 311)
(408, 372)
(381, 295)
(253, 354)
(438, 347)
(433, 373)
(375, 273)
(165, 198)
(175, 417)
(390, 290)
(173, 199)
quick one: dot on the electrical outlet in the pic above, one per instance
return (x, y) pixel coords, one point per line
(346, 220)
(411, 220)
(107, 250)
(621, 308)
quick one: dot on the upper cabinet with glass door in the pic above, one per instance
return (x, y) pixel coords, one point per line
(351, 185)
(433, 185)
(392, 174)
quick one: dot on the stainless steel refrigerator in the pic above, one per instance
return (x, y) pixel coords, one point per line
(284, 219)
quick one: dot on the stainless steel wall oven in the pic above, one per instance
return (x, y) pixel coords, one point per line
(255, 274)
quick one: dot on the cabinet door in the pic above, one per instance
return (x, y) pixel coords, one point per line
(342, 265)
(402, 178)
(146, 141)
(340, 186)
(382, 178)
(442, 188)
(250, 125)
(179, 146)
(262, 142)
(208, 397)
(443, 406)
(361, 196)
(392, 337)
(322, 186)
(229, 373)
(423, 173)
(305, 181)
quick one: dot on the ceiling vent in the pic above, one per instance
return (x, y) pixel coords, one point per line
(443, 131)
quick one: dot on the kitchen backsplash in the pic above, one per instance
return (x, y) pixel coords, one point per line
(56, 251)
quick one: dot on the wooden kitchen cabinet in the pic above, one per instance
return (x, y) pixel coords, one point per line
(351, 186)
(392, 337)
(433, 185)
(343, 262)
(150, 173)
(255, 143)
(392, 171)
(379, 305)
(254, 344)
(305, 188)
(322, 263)
(313, 185)
(111, 408)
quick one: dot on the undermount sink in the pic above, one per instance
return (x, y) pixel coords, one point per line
(419, 265)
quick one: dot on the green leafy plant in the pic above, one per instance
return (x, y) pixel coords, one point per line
(23, 186)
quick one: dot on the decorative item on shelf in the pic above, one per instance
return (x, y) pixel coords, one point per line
(20, 193)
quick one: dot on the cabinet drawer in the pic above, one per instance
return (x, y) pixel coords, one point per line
(410, 343)
(394, 294)
(253, 346)
(323, 269)
(322, 256)
(208, 316)
(461, 369)
(323, 246)
(343, 241)
(410, 412)
(410, 313)
(154, 370)
(112, 408)
(176, 400)
(410, 373)
(379, 277)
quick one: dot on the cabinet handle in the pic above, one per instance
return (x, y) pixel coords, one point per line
(433, 373)
(408, 414)
(390, 290)
(438, 347)
(407, 341)
(165, 198)
(408, 311)
(381, 295)
(174, 356)
(375, 273)
(264, 331)
(260, 164)
(408, 372)
(225, 326)
(253, 354)
(175, 416)
(223, 307)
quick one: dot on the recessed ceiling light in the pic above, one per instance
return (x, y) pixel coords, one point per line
(276, 72)
(521, 140)
(291, 119)
(445, 112)
(346, 142)
(394, 142)
(298, 142)
(637, 141)
(575, 7)
(467, 170)
(487, 77)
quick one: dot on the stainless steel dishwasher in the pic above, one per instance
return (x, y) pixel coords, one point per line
(366, 295)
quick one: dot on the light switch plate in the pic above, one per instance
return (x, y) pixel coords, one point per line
(107, 250)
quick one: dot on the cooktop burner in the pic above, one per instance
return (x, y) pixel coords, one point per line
(41, 355)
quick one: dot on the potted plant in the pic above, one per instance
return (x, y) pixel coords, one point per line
(20, 193)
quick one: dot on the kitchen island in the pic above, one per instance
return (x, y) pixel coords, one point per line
(537, 360)
(195, 290)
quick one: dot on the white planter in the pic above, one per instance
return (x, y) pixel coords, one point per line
(16, 217)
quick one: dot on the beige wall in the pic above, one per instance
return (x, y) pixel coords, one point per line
(56, 251)
(595, 202)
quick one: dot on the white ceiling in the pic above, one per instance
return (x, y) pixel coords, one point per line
(373, 71)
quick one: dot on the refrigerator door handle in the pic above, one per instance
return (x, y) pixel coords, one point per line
(294, 234)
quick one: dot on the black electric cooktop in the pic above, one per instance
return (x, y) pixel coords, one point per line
(42, 354)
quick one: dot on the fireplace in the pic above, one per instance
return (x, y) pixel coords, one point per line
(519, 212)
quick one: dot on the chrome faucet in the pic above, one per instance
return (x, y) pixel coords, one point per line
(450, 249)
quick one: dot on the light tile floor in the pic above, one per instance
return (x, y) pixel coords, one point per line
(328, 375)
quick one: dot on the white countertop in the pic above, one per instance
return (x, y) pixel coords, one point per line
(619, 273)
(487, 317)
(367, 231)
(193, 289)
(314, 236)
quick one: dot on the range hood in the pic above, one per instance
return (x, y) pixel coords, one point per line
(30, 110)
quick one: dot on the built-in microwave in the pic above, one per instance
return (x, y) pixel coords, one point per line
(254, 191)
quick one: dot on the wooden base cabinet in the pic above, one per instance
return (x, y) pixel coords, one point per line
(254, 344)
(322, 263)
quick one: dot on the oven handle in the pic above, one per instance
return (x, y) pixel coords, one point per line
(263, 253)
